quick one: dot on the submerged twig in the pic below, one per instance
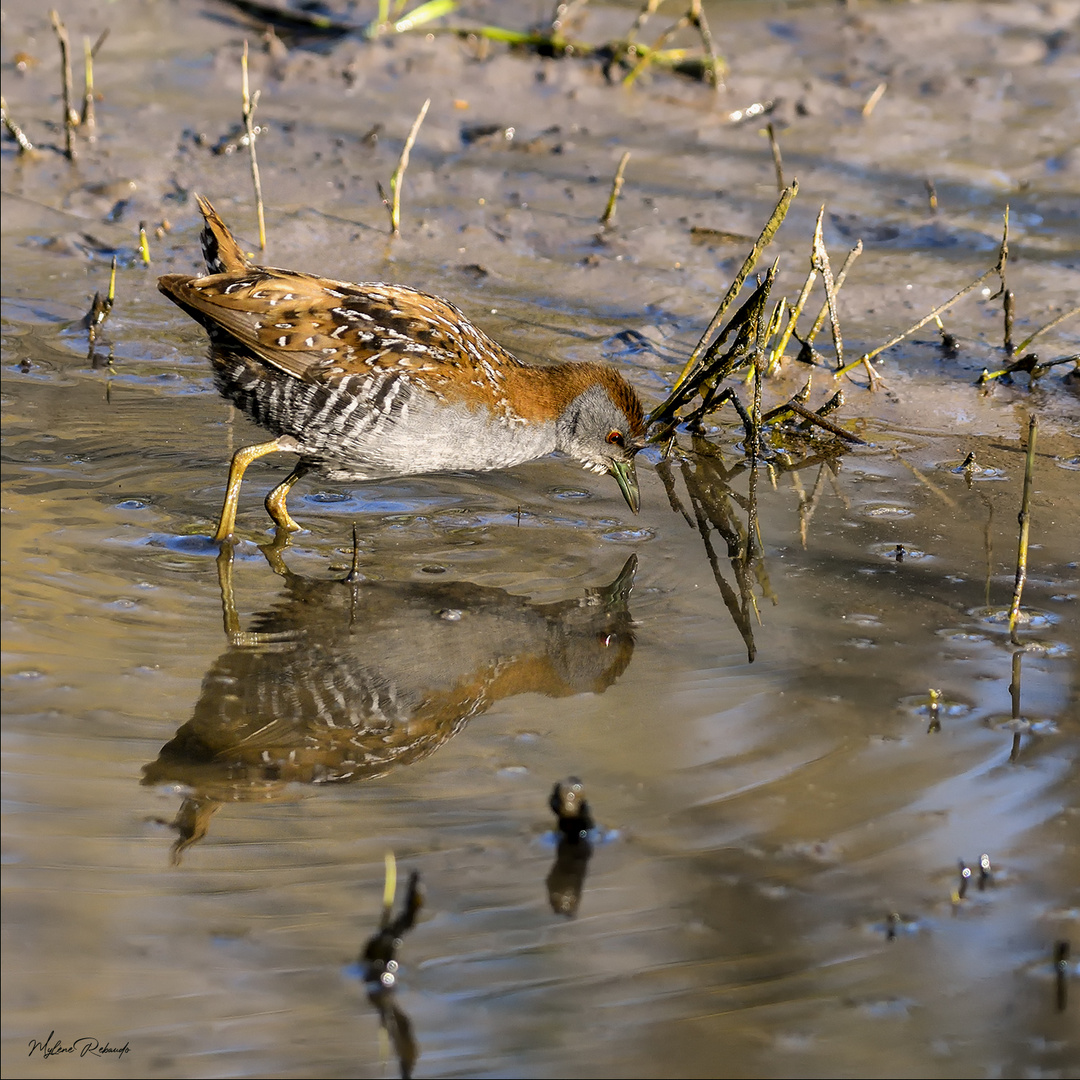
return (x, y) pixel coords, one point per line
(398, 176)
(1008, 304)
(616, 187)
(710, 498)
(828, 425)
(1025, 528)
(249, 105)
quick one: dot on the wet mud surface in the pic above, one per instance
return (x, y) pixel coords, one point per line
(207, 757)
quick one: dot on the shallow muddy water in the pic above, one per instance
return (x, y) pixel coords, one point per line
(207, 757)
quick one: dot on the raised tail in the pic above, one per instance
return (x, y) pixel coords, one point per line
(220, 249)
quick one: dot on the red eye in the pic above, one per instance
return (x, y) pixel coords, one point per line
(615, 438)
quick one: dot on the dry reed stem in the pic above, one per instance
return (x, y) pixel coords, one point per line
(778, 161)
(249, 105)
(616, 187)
(87, 119)
(70, 117)
(820, 421)
(764, 239)
(1024, 518)
(16, 132)
(819, 321)
(873, 99)
(399, 173)
(819, 258)
(1049, 326)
(931, 195)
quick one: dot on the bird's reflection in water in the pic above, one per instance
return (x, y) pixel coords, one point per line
(345, 680)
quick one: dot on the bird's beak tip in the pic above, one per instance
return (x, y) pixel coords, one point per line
(626, 477)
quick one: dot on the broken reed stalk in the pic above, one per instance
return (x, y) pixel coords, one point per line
(1008, 303)
(89, 52)
(616, 187)
(873, 99)
(249, 106)
(100, 309)
(144, 246)
(87, 119)
(819, 256)
(16, 132)
(1061, 975)
(776, 219)
(1025, 528)
(797, 310)
(1003, 250)
(1015, 696)
(778, 161)
(399, 173)
(931, 194)
(819, 321)
(70, 117)
(1049, 326)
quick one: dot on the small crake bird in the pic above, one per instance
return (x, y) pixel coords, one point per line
(373, 380)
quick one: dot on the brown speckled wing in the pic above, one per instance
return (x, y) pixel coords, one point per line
(320, 330)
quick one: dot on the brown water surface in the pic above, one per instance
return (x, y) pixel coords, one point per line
(207, 758)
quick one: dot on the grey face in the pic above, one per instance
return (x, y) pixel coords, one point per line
(596, 432)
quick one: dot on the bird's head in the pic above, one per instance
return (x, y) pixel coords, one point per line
(603, 427)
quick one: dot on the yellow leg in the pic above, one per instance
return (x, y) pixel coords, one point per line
(275, 501)
(241, 460)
